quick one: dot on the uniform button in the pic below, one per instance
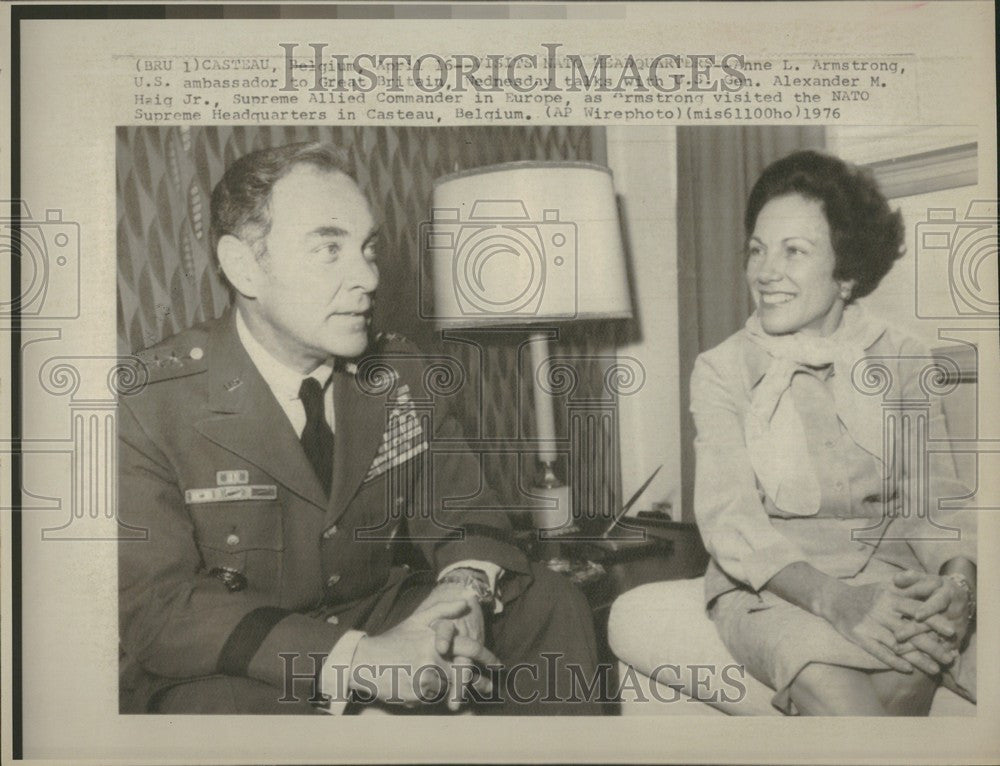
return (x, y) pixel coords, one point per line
(233, 540)
(197, 353)
(332, 580)
(333, 619)
(330, 532)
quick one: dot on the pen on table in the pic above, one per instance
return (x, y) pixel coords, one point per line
(616, 518)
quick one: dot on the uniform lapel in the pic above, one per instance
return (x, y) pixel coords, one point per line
(361, 421)
(247, 420)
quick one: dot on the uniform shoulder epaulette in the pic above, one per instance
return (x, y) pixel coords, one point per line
(392, 344)
(388, 360)
(384, 339)
(176, 357)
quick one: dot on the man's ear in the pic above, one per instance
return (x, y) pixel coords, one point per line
(239, 264)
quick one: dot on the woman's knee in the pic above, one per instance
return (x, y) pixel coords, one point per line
(905, 693)
(821, 689)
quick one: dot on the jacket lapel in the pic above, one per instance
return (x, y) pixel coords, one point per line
(247, 420)
(361, 422)
(756, 363)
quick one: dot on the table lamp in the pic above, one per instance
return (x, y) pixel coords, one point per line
(524, 244)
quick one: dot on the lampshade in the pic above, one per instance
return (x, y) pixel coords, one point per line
(524, 242)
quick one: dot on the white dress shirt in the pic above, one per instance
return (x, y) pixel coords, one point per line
(285, 382)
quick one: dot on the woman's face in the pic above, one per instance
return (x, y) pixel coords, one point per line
(790, 264)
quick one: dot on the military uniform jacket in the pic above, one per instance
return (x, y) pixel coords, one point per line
(240, 556)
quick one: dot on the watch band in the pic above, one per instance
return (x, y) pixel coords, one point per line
(963, 582)
(473, 580)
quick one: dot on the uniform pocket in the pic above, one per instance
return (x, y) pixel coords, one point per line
(236, 527)
(241, 537)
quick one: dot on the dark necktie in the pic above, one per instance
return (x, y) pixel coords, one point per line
(317, 436)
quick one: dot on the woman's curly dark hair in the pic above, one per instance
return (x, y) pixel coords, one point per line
(867, 235)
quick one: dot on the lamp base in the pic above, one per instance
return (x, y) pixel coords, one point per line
(553, 518)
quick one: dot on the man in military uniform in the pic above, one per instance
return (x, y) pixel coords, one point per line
(276, 460)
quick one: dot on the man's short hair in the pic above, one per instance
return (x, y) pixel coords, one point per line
(241, 200)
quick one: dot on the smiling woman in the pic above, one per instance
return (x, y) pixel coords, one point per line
(851, 222)
(835, 620)
(790, 265)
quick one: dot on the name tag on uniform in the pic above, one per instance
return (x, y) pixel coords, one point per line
(232, 478)
(231, 494)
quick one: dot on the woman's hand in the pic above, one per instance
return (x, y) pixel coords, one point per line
(877, 617)
(881, 621)
(945, 603)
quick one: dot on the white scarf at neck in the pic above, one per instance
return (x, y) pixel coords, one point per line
(775, 435)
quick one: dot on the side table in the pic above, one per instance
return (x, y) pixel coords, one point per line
(605, 569)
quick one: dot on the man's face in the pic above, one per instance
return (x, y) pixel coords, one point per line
(314, 294)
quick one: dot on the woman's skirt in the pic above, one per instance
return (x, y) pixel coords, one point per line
(775, 640)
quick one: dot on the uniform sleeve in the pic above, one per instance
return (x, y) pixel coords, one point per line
(935, 534)
(731, 518)
(175, 620)
(482, 533)
(466, 521)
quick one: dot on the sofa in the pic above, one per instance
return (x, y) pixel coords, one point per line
(664, 625)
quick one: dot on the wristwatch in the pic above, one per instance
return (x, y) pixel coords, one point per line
(963, 582)
(474, 580)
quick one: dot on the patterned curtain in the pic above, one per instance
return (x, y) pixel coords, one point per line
(167, 282)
